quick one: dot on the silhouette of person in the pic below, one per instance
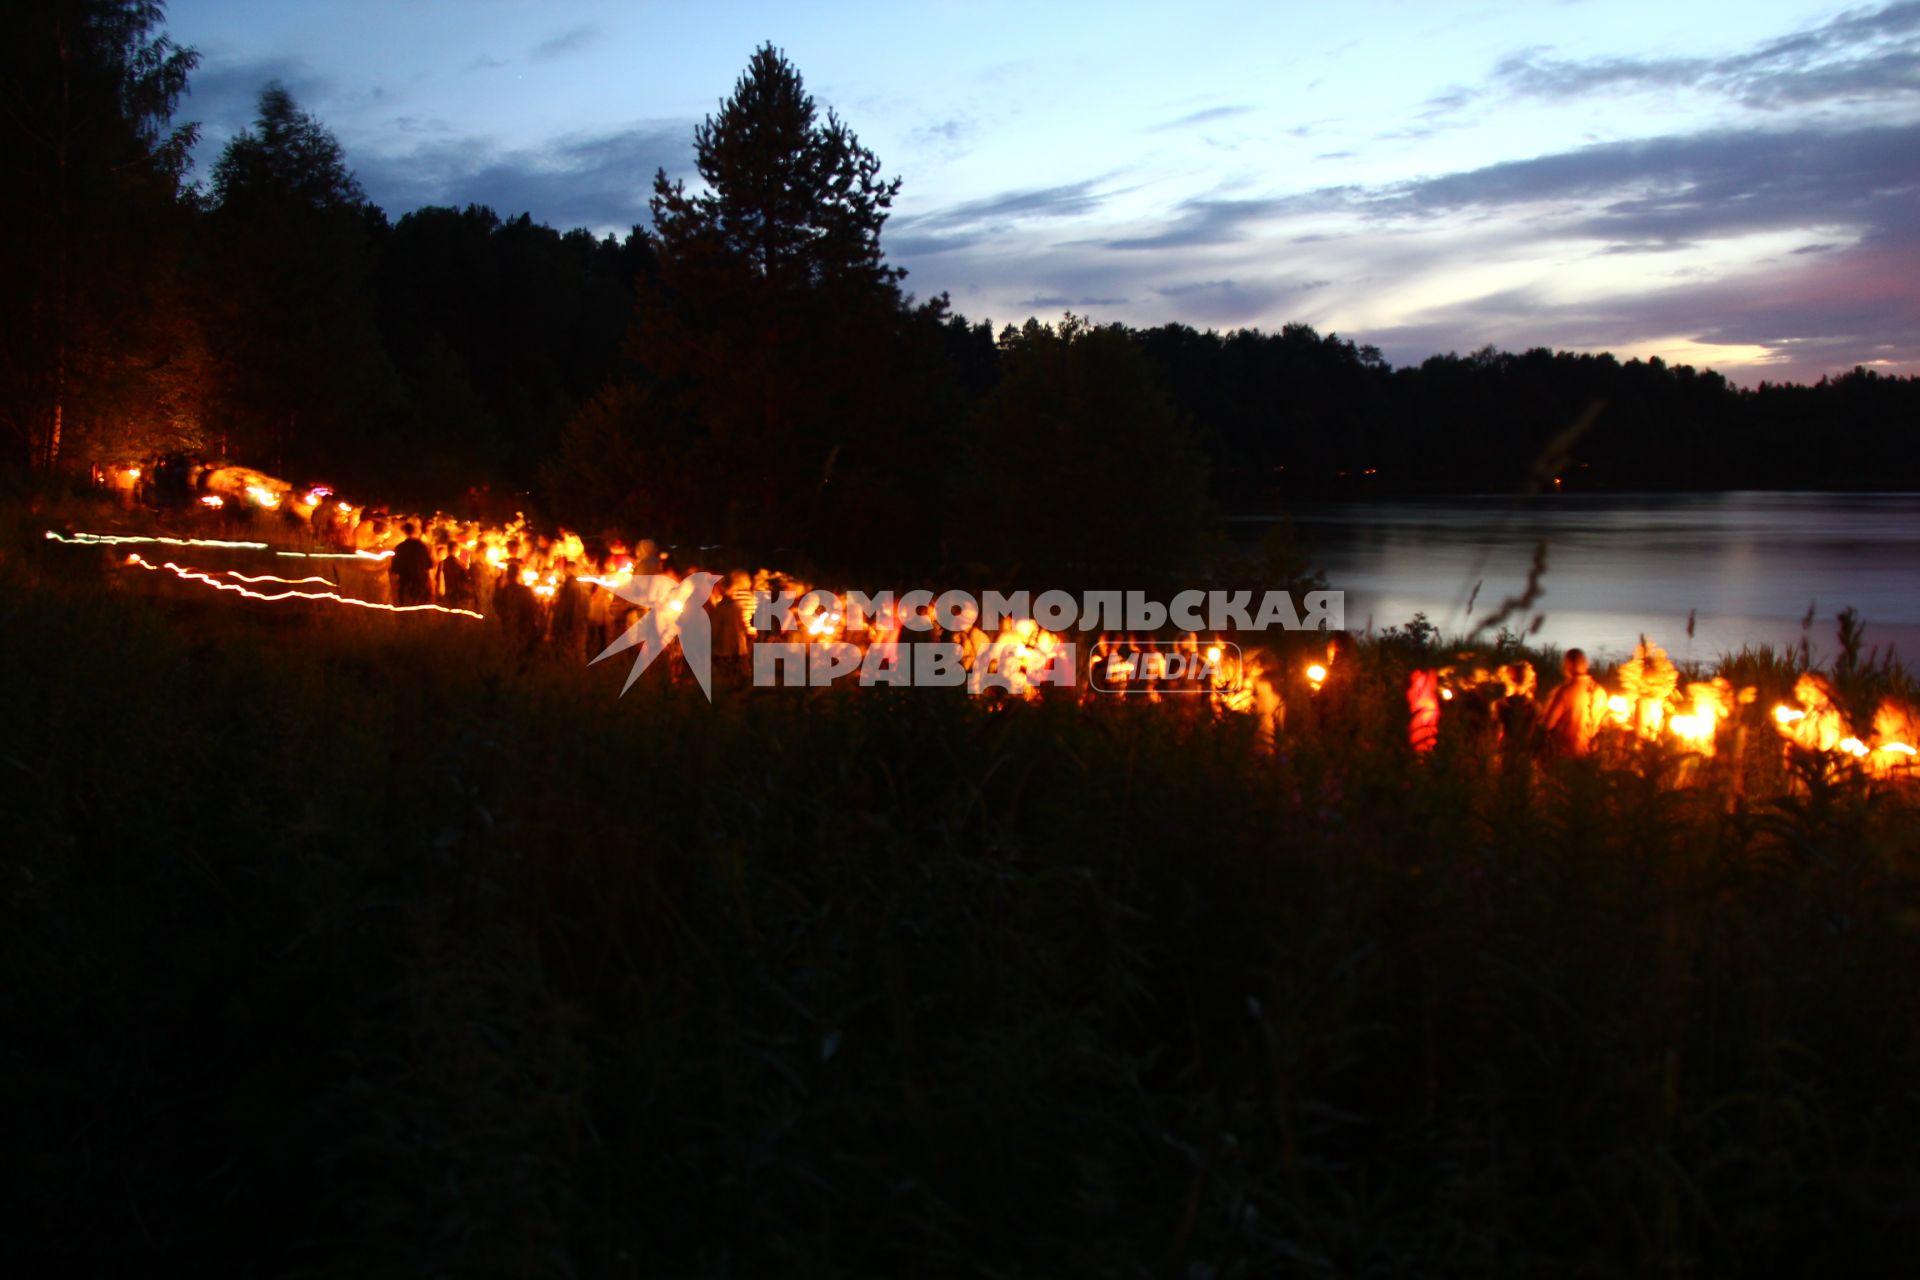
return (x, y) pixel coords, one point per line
(1575, 709)
(411, 569)
(455, 580)
(731, 651)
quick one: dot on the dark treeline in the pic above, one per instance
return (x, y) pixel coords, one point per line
(745, 366)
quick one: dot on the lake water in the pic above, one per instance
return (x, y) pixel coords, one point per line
(1747, 565)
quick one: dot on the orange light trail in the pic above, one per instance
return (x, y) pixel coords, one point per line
(194, 575)
(127, 539)
(332, 555)
(267, 577)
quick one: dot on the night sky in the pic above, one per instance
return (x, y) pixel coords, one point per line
(1726, 185)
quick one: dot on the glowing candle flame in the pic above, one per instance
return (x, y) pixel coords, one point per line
(1691, 728)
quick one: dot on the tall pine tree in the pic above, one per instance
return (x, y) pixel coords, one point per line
(770, 331)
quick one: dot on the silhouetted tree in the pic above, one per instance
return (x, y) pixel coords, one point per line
(773, 323)
(90, 228)
(303, 376)
(794, 201)
(500, 330)
(1081, 471)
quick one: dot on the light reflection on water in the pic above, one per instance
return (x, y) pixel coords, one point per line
(1748, 564)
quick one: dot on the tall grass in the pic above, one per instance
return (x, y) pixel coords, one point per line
(360, 945)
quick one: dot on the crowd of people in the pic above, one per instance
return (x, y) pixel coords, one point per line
(572, 595)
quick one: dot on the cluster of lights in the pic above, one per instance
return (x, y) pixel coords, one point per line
(1696, 728)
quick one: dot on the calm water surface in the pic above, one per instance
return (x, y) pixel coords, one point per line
(1747, 565)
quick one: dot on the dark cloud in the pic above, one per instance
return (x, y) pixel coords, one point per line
(911, 244)
(949, 136)
(1234, 302)
(224, 95)
(1435, 114)
(599, 181)
(1862, 55)
(1066, 201)
(1214, 221)
(1631, 247)
(1685, 188)
(1197, 286)
(1532, 73)
(1268, 288)
(1010, 278)
(572, 40)
(1054, 301)
(1205, 116)
(418, 124)
(1448, 101)
(973, 222)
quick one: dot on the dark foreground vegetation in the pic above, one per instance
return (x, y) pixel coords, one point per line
(351, 946)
